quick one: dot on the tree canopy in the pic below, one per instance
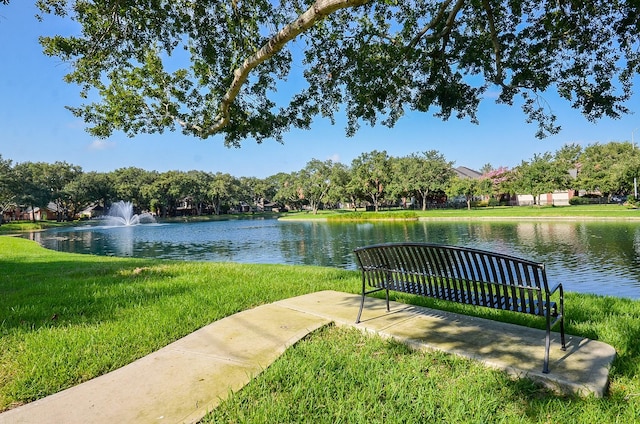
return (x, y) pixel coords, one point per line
(373, 179)
(213, 67)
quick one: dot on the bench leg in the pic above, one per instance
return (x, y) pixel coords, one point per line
(564, 346)
(547, 345)
(361, 307)
(364, 293)
(387, 292)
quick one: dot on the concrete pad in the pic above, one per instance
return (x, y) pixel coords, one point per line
(183, 381)
(582, 369)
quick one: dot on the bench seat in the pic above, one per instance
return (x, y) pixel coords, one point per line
(462, 275)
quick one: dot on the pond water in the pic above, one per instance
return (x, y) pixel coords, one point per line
(588, 257)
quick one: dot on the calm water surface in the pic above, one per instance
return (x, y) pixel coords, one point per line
(588, 257)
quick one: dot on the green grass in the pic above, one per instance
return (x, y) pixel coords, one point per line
(17, 227)
(66, 318)
(341, 375)
(572, 212)
(502, 212)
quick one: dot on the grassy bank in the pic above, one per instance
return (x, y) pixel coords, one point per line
(17, 227)
(66, 318)
(504, 212)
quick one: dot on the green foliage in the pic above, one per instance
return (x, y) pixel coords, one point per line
(576, 200)
(374, 216)
(609, 168)
(543, 174)
(314, 182)
(213, 67)
(479, 204)
(421, 175)
(370, 177)
(373, 179)
(466, 187)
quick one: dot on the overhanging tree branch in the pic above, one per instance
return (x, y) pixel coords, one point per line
(496, 43)
(383, 58)
(316, 12)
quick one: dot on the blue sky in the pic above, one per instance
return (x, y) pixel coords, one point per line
(35, 126)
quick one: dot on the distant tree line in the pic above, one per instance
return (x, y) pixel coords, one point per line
(374, 179)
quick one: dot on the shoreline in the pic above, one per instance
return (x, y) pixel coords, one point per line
(460, 218)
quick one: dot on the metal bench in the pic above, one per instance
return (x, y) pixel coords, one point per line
(462, 275)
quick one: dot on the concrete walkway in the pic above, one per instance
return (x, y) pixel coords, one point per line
(191, 376)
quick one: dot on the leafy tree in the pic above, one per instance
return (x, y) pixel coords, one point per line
(339, 180)
(32, 188)
(370, 175)
(197, 193)
(93, 187)
(466, 187)
(130, 185)
(214, 67)
(7, 186)
(287, 189)
(60, 175)
(568, 156)
(601, 167)
(223, 189)
(166, 190)
(627, 173)
(422, 175)
(486, 168)
(315, 182)
(539, 176)
(495, 182)
(256, 191)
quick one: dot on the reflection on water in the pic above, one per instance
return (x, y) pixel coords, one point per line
(589, 257)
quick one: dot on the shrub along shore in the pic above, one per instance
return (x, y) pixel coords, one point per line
(66, 318)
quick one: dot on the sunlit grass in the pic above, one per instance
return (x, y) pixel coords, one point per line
(340, 375)
(66, 318)
(608, 211)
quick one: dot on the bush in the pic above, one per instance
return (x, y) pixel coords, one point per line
(579, 201)
(588, 200)
(479, 203)
(632, 201)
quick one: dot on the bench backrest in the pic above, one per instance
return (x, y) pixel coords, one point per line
(460, 274)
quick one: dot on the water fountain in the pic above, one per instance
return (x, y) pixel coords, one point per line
(121, 214)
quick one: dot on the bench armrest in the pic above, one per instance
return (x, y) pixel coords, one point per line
(555, 288)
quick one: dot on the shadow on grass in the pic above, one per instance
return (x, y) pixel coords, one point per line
(76, 291)
(612, 320)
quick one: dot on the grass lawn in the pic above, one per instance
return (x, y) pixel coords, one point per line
(609, 211)
(66, 318)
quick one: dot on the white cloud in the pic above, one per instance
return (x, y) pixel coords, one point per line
(334, 158)
(102, 145)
